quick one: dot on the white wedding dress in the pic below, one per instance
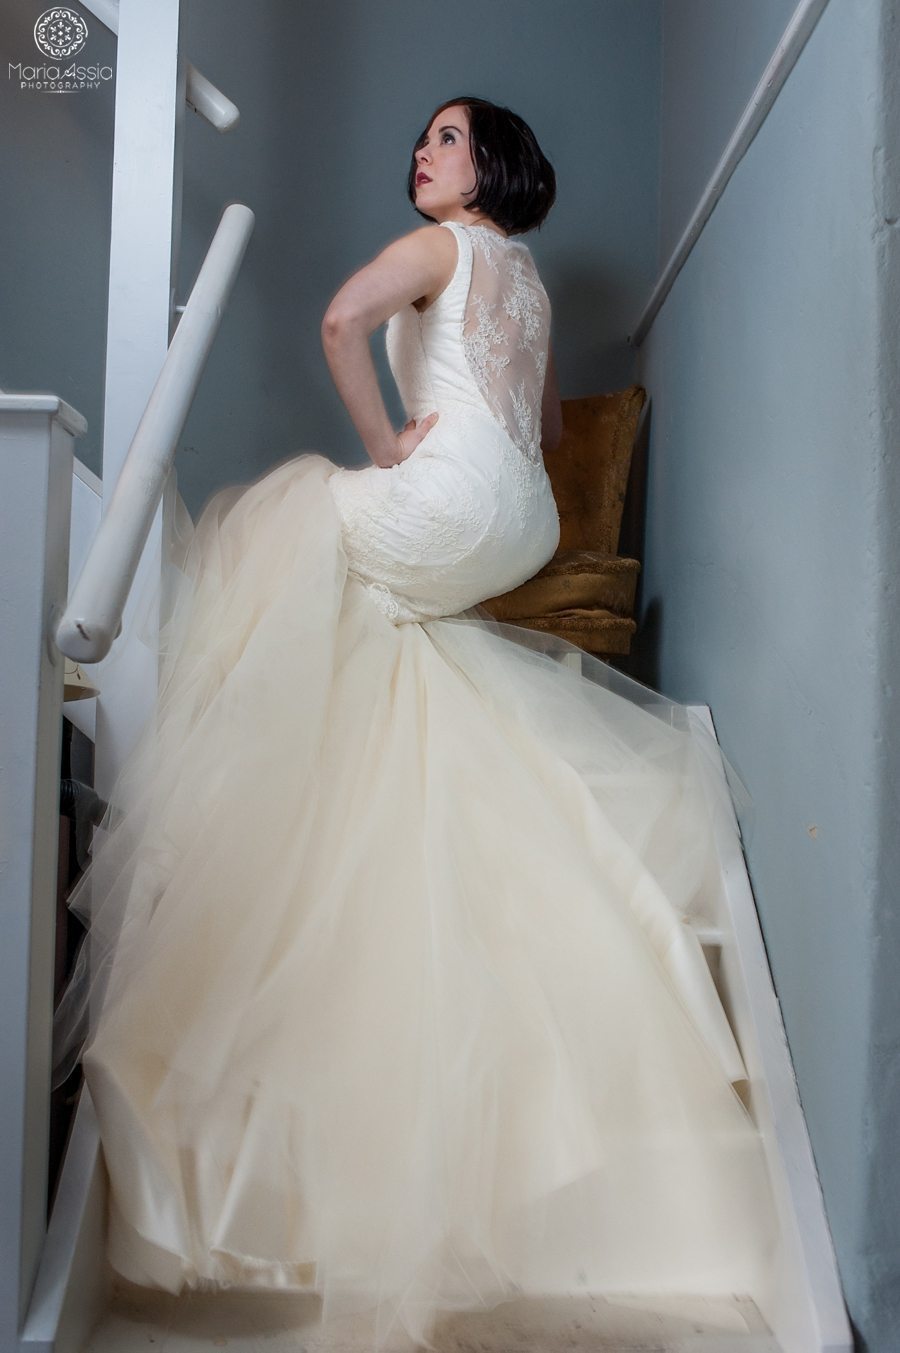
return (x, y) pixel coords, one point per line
(388, 992)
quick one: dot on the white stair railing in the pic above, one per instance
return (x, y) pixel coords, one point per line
(45, 1286)
(53, 1276)
(784, 58)
(93, 616)
(200, 94)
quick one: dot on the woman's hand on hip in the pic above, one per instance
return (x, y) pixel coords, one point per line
(412, 433)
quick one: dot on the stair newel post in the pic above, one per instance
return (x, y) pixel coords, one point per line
(143, 270)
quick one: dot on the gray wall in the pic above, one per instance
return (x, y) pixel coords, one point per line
(770, 581)
(332, 95)
(715, 52)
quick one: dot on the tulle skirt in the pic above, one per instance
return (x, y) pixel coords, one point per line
(389, 991)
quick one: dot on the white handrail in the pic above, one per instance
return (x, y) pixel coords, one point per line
(782, 62)
(93, 616)
(201, 94)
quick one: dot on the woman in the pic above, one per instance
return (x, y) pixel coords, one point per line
(392, 997)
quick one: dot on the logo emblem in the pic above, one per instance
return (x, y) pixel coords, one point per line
(60, 32)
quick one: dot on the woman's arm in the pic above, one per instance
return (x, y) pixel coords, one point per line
(415, 266)
(551, 408)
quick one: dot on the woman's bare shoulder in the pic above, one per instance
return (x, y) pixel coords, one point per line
(428, 239)
(413, 269)
(433, 248)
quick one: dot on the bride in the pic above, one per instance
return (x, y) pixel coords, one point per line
(389, 992)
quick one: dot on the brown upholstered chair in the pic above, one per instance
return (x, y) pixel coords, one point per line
(586, 592)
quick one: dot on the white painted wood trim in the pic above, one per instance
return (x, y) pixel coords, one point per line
(803, 1303)
(88, 478)
(73, 1284)
(68, 418)
(145, 233)
(36, 472)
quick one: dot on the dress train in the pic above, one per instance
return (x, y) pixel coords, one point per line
(388, 991)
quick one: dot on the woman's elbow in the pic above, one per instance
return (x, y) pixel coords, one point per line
(334, 323)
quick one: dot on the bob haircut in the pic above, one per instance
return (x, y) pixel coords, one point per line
(515, 184)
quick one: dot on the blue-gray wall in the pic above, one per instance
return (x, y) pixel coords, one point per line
(770, 581)
(332, 95)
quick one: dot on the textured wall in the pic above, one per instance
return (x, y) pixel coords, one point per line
(770, 578)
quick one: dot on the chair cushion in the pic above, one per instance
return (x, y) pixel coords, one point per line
(573, 579)
(594, 631)
(589, 469)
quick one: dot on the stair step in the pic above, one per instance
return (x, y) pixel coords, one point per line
(138, 1318)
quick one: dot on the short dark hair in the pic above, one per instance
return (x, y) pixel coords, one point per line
(515, 184)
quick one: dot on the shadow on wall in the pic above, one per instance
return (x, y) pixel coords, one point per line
(590, 357)
(643, 662)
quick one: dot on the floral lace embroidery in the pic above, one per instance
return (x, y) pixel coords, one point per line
(524, 306)
(384, 599)
(490, 243)
(479, 347)
(505, 335)
(377, 512)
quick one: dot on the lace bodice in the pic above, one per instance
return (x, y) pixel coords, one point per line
(506, 334)
(470, 514)
(503, 312)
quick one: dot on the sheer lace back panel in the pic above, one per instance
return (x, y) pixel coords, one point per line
(506, 333)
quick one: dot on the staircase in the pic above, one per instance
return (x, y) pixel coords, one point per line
(577, 1324)
(57, 1292)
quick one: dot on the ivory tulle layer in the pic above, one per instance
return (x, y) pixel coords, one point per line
(391, 994)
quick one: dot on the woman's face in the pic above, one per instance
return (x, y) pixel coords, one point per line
(447, 161)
